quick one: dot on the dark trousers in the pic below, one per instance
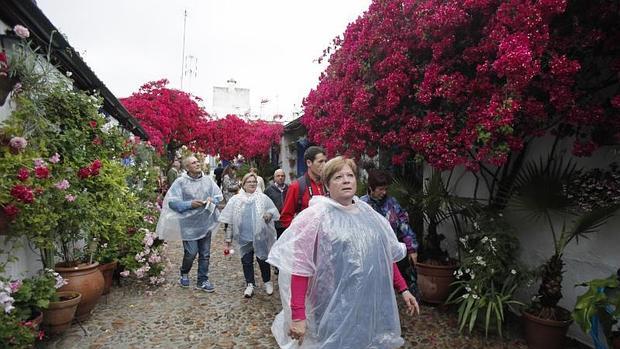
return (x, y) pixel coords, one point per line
(279, 231)
(248, 268)
(410, 275)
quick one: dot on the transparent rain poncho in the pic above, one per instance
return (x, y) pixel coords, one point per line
(192, 224)
(348, 253)
(263, 234)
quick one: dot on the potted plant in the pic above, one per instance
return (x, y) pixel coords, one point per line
(23, 302)
(547, 190)
(488, 275)
(597, 311)
(438, 206)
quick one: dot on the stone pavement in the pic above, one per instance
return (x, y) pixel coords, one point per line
(135, 316)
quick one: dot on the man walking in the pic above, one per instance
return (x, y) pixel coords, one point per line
(189, 214)
(219, 170)
(277, 192)
(305, 187)
(174, 172)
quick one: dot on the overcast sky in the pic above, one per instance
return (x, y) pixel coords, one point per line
(268, 46)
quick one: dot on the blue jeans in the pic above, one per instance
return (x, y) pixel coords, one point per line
(202, 247)
(248, 268)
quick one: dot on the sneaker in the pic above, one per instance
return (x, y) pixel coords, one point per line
(184, 280)
(269, 287)
(206, 286)
(249, 291)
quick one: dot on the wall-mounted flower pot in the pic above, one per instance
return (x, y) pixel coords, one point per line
(6, 87)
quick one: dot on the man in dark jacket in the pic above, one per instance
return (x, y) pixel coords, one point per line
(277, 193)
(218, 174)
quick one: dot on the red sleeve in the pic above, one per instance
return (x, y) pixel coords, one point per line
(290, 205)
(400, 285)
(299, 286)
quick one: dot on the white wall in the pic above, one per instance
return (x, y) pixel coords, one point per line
(231, 100)
(285, 154)
(596, 257)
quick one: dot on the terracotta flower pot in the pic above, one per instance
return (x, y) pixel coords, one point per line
(85, 279)
(59, 315)
(108, 272)
(434, 282)
(36, 320)
(543, 333)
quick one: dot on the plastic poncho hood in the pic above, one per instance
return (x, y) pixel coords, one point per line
(192, 224)
(264, 234)
(348, 254)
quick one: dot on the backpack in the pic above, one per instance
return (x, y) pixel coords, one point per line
(303, 186)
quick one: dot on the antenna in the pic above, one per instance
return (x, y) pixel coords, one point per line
(183, 54)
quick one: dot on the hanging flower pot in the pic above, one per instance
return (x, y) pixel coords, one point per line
(7, 84)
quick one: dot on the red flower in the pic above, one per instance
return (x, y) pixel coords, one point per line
(84, 172)
(22, 193)
(23, 174)
(42, 172)
(92, 123)
(10, 211)
(94, 167)
(97, 141)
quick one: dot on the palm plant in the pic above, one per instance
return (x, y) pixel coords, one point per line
(438, 206)
(540, 192)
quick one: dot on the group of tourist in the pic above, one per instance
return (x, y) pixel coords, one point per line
(336, 254)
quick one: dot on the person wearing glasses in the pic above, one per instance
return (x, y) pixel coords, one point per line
(250, 216)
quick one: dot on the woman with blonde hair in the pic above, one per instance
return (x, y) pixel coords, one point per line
(337, 271)
(250, 216)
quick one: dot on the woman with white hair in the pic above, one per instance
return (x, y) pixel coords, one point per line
(250, 216)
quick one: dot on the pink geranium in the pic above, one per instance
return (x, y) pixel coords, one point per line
(21, 31)
(18, 143)
(55, 158)
(62, 185)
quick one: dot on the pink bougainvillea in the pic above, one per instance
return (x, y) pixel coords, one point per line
(173, 118)
(467, 82)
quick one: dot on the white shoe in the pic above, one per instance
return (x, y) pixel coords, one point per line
(269, 287)
(249, 291)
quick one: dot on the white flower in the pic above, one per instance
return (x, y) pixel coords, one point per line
(485, 239)
(475, 296)
(465, 296)
(69, 74)
(513, 272)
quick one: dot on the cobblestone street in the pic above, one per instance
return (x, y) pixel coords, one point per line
(133, 316)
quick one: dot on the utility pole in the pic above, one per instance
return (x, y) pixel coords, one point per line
(183, 57)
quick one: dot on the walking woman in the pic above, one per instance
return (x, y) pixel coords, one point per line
(337, 272)
(230, 183)
(250, 216)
